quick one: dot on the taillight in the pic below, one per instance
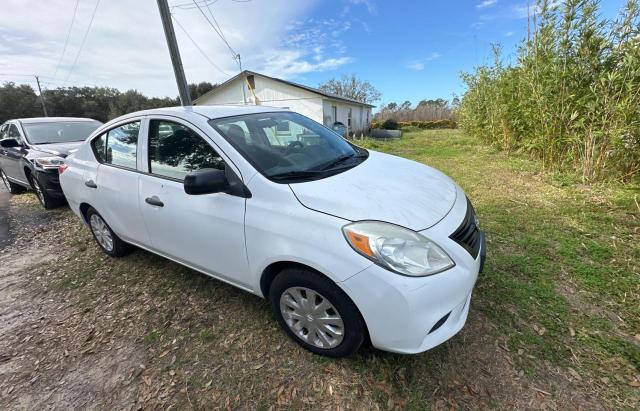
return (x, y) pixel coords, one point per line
(62, 168)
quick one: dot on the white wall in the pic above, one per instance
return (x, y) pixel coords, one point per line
(359, 123)
(270, 93)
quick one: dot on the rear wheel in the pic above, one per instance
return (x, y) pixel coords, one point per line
(316, 313)
(110, 243)
(12, 187)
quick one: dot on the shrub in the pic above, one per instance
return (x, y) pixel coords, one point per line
(429, 125)
(572, 99)
(390, 124)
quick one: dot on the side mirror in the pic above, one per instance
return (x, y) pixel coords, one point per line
(206, 181)
(9, 143)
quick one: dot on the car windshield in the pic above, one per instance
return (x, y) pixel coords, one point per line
(288, 147)
(59, 131)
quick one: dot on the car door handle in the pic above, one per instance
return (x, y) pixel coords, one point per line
(90, 184)
(154, 201)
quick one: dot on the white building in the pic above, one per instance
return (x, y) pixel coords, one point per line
(325, 108)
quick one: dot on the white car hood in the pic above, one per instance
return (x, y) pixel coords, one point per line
(384, 188)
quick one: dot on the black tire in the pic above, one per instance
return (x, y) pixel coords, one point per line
(119, 248)
(12, 187)
(353, 330)
(45, 199)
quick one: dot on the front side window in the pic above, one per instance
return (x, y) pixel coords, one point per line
(13, 132)
(175, 150)
(118, 146)
(59, 131)
(287, 146)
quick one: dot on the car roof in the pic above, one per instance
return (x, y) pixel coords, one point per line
(51, 119)
(210, 112)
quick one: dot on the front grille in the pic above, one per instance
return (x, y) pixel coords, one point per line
(468, 234)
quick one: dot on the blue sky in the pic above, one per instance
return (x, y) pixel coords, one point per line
(412, 50)
(409, 50)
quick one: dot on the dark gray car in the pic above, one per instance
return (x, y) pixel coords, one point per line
(32, 149)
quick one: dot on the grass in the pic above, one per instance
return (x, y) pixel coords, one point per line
(562, 278)
(557, 308)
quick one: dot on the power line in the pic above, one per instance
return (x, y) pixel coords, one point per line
(66, 42)
(233, 52)
(198, 47)
(15, 75)
(84, 39)
(190, 6)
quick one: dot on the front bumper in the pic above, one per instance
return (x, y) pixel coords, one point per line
(50, 181)
(413, 314)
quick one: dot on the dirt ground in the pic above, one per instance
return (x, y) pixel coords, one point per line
(79, 330)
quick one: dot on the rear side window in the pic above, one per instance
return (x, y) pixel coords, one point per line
(118, 146)
(175, 150)
(99, 148)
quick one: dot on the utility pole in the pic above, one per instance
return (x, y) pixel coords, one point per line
(174, 52)
(244, 80)
(44, 106)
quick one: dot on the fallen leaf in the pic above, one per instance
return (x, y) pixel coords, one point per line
(257, 366)
(574, 373)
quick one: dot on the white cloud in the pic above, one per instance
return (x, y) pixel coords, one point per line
(528, 10)
(368, 4)
(420, 64)
(486, 3)
(311, 45)
(126, 47)
(291, 63)
(416, 65)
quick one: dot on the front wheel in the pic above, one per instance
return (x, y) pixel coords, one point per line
(45, 199)
(316, 313)
(12, 187)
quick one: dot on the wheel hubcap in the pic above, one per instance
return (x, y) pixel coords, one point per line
(36, 185)
(5, 179)
(102, 233)
(312, 317)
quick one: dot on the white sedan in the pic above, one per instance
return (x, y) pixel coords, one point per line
(347, 244)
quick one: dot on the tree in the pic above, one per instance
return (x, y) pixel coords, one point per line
(197, 90)
(100, 103)
(353, 88)
(18, 101)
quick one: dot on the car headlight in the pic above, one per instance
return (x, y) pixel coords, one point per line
(397, 248)
(49, 162)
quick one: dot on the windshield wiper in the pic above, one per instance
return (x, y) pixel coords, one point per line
(288, 175)
(339, 160)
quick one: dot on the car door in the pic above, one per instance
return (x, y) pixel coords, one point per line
(115, 181)
(205, 232)
(3, 132)
(12, 156)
